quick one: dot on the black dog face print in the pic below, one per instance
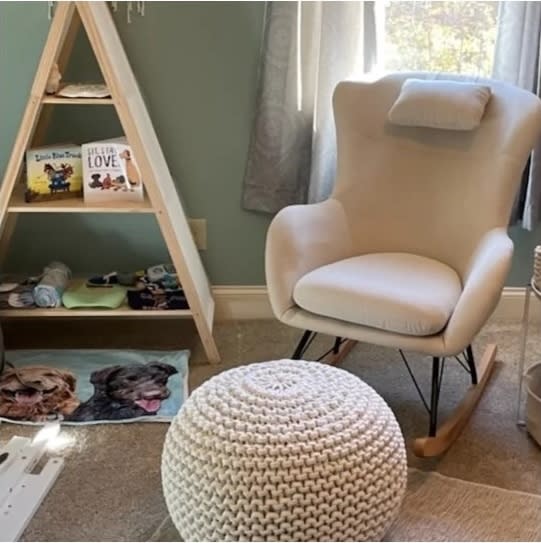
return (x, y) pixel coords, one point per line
(124, 392)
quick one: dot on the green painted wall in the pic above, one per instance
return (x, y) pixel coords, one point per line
(197, 67)
(525, 242)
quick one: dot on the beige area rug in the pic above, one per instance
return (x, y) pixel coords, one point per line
(439, 508)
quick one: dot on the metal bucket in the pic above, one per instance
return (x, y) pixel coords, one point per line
(533, 401)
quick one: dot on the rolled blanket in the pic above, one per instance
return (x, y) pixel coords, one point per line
(48, 292)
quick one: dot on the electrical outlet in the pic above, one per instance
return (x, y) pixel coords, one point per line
(199, 232)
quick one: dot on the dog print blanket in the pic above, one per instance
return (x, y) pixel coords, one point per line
(93, 386)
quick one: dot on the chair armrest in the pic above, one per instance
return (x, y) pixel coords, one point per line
(300, 239)
(483, 286)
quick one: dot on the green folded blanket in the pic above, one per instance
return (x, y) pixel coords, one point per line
(82, 296)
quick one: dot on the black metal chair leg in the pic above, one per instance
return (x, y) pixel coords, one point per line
(336, 347)
(471, 364)
(434, 397)
(301, 347)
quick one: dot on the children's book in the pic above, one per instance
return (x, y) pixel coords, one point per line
(110, 172)
(53, 173)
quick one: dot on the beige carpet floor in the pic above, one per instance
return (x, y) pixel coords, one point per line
(110, 488)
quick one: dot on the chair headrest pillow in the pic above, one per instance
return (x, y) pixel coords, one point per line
(443, 104)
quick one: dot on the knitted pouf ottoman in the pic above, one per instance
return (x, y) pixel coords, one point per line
(284, 451)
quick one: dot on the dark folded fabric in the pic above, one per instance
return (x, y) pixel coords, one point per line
(156, 298)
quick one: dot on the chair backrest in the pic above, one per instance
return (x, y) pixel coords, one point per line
(428, 191)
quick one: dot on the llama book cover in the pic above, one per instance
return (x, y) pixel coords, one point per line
(110, 172)
(53, 173)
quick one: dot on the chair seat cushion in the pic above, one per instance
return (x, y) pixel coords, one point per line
(396, 292)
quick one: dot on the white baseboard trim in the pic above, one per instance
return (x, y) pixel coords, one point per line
(252, 303)
(242, 303)
(511, 306)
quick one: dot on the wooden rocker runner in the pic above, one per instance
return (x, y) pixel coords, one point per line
(411, 249)
(439, 438)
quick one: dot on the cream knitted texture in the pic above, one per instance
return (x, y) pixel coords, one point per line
(284, 451)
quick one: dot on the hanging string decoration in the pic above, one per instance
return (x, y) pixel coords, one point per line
(139, 8)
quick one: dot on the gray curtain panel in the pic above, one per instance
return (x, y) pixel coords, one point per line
(516, 61)
(308, 48)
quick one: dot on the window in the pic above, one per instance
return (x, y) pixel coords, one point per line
(456, 37)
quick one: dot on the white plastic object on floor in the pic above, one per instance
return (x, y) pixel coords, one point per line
(21, 491)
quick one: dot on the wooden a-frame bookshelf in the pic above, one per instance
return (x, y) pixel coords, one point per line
(161, 197)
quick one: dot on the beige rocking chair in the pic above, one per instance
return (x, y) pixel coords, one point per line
(411, 249)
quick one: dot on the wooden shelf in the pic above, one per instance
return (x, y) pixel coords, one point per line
(122, 311)
(76, 101)
(17, 204)
(96, 19)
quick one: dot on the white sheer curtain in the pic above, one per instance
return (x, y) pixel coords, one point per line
(308, 48)
(516, 61)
